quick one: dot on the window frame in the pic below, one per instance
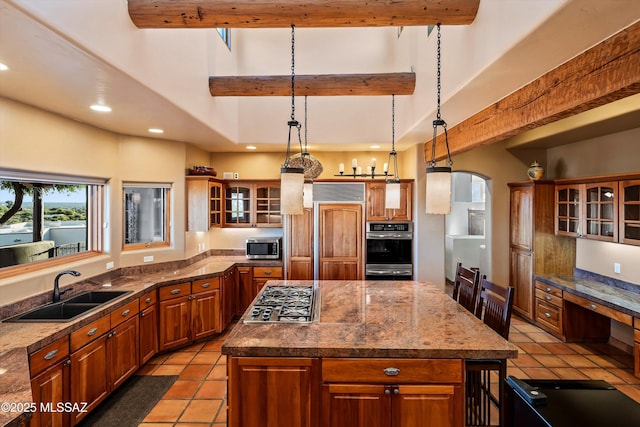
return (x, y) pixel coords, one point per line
(126, 247)
(95, 217)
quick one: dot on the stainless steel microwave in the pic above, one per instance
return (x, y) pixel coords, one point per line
(264, 248)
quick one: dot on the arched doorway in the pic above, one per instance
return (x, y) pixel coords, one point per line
(468, 226)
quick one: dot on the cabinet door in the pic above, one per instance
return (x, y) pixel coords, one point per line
(267, 205)
(375, 202)
(630, 212)
(521, 278)
(89, 377)
(227, 296)
(348, 405)
(175, 322)
(258, 284)
(215, 204)
(51, 387)
(205, 314)
(600, 211)
(299, 250)
(282, 392)
(567, 210)
(148, 333)
(521, 223)
(427, 405)
(122, 347)
(403, 213)
(238, 205)
(244, 285)
(340, 245)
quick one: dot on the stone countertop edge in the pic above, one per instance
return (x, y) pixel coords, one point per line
(18, 340)
(373, 319)
(613, 297)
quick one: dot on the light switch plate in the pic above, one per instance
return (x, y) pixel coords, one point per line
(227, 175)
(148, 258)
(616, 267)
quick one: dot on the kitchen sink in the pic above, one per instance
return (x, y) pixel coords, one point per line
(96, 296)
(65, 311)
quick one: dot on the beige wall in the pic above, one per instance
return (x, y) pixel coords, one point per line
(32, 139)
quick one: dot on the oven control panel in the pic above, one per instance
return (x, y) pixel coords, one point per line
(389, 226)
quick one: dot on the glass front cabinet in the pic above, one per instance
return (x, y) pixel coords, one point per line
(252, 204)
(600, 211)
(568, 210)
(630, 212)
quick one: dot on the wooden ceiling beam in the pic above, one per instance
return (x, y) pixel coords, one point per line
(302, 13)
(314, 85)
(605, 73)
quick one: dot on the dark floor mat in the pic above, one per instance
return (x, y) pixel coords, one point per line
(130, 403)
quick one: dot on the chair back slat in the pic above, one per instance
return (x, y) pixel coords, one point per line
(495, 304)
(465, 287)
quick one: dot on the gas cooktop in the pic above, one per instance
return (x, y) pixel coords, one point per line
(293, 304)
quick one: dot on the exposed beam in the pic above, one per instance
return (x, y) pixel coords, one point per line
(314, 85)
(605, 73)
(302, 13)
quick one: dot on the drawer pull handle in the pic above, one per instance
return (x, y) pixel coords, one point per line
(50, 355)
(206, 285)
(396, 391)
(147, 300)
(547, 297)
(593, 306)
(547, 315)
(548, 289)
(175, 291)
(92, 331)
(387, 392)
(267, 272)
(392, 372)
(126, 312)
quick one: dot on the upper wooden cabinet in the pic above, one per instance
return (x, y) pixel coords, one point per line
(252, 204)
(375, 203)
(567, 212)
(204, 203)
(630, 212)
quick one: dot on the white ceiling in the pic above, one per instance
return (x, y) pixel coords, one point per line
(65, 55)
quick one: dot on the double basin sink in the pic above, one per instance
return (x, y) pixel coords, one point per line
(67, 310)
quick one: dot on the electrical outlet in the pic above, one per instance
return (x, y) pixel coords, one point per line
(148, 258)
(110, 265)
(236, 175)
(616, 267)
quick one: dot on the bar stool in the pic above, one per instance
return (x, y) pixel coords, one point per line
(465, 287)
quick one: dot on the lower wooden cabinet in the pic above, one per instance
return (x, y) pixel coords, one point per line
(262, 275)
(279, 392)
(148, 331)
(548, 308)
(308, 392)
(636, 347)
(227, 289)
(244, 289)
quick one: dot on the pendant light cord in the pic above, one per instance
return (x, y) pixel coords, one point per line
(439, 121)
(293, 122)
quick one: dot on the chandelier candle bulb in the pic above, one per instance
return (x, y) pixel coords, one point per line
(341, 167)
(354, 163)
(385, 167)
(373, 162)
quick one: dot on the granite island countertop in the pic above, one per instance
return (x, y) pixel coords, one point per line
(374, 319)
(18, 340)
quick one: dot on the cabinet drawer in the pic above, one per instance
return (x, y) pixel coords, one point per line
(393, 371)
(90, 332)
(148, 299)
(636, 335)
(205, 285)
(48, 356)
(272, 272)
(636, 322)
(126, 312)
(548, 289)
(597, 308)
(549, 298)
(174, 291)
(549, 315)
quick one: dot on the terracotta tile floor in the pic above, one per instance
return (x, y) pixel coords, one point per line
(198, 397)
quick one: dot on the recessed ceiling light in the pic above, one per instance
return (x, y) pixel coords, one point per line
(3, 67)
(101, 108)
(156, 130)
(375, 146)
(251, 147)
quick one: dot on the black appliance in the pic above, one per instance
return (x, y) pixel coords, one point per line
(291, 304)
(567, 403)
(264, 248)
(389, 253)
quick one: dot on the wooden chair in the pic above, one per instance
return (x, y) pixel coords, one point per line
(465, 287)
(494, 307)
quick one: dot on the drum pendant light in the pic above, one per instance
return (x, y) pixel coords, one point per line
(438, 194)
(292, 178)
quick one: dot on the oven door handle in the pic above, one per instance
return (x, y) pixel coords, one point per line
(388, 272)
(388, 236)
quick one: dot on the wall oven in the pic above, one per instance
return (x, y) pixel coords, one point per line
(389, 253)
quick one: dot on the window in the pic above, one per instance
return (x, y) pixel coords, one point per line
(47, 219)
(225, 33)
(146, 215)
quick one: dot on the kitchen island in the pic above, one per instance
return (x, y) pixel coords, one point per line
(377, 353)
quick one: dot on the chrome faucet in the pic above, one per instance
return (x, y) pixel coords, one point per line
(56, 285)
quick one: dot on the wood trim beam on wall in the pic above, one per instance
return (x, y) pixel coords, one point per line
(605, 73)
(302, 13)
(314, 85)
